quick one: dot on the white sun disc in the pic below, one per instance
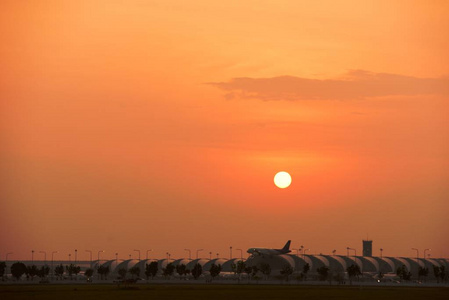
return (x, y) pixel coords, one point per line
(282, 180)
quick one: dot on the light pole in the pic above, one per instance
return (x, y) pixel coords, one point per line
(304, 252)
(333, 252)
(190, 253)
(241, 253)
(417, 252)
(230, 252)
(6, 268)
(355, 251)
(138, 252)
(53, 270)
(147, 253)
(198, 251)
(7, 254)
(99, 256)
(70, 257)
(90, 257)
(381, 250)
(32, 256)
(425, 252)
(168, 257)
(297, 251)
(210, 255)
(45, 256)
(76, 255)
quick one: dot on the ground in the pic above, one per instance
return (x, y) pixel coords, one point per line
(217, 292)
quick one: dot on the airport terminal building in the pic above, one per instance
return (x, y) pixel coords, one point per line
(369, 265)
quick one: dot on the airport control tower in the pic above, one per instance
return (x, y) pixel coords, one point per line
(367, 248)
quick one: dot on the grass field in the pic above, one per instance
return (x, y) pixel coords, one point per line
(216, 292)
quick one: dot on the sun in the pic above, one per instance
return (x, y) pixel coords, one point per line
(282, 180)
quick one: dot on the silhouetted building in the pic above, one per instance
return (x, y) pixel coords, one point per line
(367, 248)
(371, 266)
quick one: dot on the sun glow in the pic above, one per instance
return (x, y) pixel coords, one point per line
(282, 180)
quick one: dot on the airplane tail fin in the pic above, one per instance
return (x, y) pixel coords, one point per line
(287, 246)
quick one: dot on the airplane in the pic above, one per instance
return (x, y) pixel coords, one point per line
(267, 251)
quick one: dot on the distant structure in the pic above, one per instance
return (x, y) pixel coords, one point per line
(367, 248)
(370, 265)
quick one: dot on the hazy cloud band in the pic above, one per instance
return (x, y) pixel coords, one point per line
(356, 84)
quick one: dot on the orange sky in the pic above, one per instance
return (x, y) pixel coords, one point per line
(160, 125)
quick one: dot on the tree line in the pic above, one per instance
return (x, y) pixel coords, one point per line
(262, 271)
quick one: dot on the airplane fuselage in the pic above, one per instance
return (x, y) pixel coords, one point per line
(268, 251)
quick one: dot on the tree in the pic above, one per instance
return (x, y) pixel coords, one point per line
(107, 270)
(353, 271)
(76, 270)
(265, 269)
(422, 272)
(248, 270)
(303, 275)
(254, 272)
(151, 269)
(403, 273)
(122, 273)
(134, 271)
(168, 270)
(72, 269)
(215, 270)
(18, 269)
(305, 270)
(43, 272)
(69, 270)
(2, 268)
(323, 272)
(286, 271)
(59, 271)
(181, 270)
(197, 271)
(436, 272)
(339, 277)
(100, 271)
(238, 268)
(103, 272)
(443, 274)
(31, 271)
(88, 273)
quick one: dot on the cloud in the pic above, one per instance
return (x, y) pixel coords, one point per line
(356, 84)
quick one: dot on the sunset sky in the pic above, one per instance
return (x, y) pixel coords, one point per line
(161, 124)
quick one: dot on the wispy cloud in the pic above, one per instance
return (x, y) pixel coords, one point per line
(356, 84)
